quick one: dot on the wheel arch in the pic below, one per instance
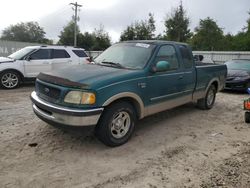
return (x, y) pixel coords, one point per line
(130, 97)
(214, 82)
(14, 70)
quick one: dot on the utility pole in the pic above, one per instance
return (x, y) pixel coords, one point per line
(75, 19)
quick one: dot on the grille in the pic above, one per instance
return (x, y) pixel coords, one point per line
(48, 92)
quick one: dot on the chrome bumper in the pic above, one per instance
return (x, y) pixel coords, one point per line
(63, 115)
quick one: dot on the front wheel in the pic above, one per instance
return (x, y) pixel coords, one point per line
(9, 79)
(208, 102)
(116, 124)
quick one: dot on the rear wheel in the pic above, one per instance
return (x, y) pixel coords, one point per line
(116, 124)
(208, 102)
(9, 79)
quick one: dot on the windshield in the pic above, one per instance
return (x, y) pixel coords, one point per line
(126, 55)
(238, 64)
(21, 53)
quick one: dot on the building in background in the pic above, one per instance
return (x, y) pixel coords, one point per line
(9, 47)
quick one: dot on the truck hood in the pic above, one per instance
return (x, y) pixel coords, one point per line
(6, 60)
(88, 76)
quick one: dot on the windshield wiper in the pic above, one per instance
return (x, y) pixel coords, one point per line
(113, 64)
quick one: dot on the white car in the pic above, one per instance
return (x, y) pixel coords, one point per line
(28, 62)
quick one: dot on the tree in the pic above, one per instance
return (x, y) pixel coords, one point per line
(177, 25)
(140, 30)
(25, 32)
(97, 40)
(248, 24)
(128, 34)
(66, 36)
(227, 42)
(101, 39)
(151, 26)
(86, 41)
(208, 36)
(241, 41)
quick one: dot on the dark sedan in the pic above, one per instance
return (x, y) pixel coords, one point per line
(238, 76)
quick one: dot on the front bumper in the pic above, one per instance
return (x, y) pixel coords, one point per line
(62, 115)
(240, 85)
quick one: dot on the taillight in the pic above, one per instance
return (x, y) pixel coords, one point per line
(247, 104)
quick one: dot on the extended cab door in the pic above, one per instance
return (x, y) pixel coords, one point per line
(164, 87)
(60, 58)
(189, 78)
(39, 61)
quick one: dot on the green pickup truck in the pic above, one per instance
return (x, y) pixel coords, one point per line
(128, 81)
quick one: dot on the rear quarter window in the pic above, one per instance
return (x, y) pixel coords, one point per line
(80, 53)
(60, 54)
(186, 57)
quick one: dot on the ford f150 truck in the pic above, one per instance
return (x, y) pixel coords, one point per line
(127, 82)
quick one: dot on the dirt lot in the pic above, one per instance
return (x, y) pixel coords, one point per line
(183, 147)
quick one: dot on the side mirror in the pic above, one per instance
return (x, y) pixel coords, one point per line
(161, 66)
(27, 58)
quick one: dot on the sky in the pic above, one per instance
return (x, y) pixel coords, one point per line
(116, 15)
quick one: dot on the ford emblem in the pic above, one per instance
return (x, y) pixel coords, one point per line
(46, 90)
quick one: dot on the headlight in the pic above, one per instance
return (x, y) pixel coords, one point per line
(78, 97)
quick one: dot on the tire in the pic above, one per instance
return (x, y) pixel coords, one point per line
(208, 102)
(247, 117)
(9, 79)
(116, 125)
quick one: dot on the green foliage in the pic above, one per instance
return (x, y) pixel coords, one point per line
(98, 40)
(66, 36)
(241, 41)
(25, 32)
(208, 36)
(86, 41)
(128, 34)
(101, 39)
(177, 25)
(140, 30)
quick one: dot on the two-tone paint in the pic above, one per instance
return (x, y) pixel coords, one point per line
(149, 92)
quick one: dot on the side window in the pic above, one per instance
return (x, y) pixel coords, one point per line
(80, 53)
(168, 53)
(60, 54)
(186, 57)
(41, 54)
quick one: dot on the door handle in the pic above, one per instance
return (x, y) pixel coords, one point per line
(46, 63)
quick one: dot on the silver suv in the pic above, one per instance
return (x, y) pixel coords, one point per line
(28, 62)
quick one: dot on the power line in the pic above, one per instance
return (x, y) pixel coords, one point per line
(76, 5)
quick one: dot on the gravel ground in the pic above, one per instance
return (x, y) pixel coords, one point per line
(182, 147)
